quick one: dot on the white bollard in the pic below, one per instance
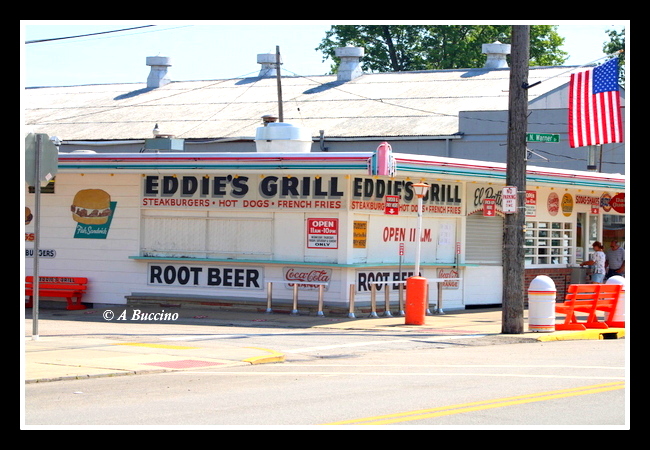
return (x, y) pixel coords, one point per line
(618, 318)
(541, 304)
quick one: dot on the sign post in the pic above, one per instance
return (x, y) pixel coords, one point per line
(41, 164)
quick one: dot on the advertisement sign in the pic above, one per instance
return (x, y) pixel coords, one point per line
(92, 210)
(243, 192)
(252, 192)
(449, 273)
(194, 275)
(307, 275)
(531, 203)
(323, 233)
(617, 203)
(360, 233)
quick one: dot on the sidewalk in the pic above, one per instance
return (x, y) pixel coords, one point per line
(83, 344)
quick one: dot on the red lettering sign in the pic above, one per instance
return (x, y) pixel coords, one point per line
(617, 203)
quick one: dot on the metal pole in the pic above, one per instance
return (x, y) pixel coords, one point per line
(440, 311)
(387, 301)
(279, 80)
(321, 288)
(351, 310)
(37, 234)
(294, 310)
(373, 300)
(269, 297)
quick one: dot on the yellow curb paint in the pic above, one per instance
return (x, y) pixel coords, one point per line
(595, 334)
(272, 357)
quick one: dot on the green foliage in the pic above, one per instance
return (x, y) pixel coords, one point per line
(617, 43)
(395, 48)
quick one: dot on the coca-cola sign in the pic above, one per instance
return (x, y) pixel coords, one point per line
(452, 274)
(307, 278)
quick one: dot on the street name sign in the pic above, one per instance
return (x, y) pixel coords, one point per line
(542, 137)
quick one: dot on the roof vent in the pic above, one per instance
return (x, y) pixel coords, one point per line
(350, 67)
(496, 55)
(162, 142)
(267, 60)
(281, 137)
(158, 75)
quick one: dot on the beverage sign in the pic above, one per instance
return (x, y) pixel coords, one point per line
(617, 203)
(322, 233)
(305, 276)
(509, 199)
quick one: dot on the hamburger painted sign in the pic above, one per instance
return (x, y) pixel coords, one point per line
(92, 209)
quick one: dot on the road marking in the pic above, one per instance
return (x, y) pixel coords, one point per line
(395, 341)
(173, 347)
(354, 344)
(481, 405)
(475, 366)
(416, 374)
(202, 337)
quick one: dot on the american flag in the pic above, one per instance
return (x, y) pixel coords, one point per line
(595, 106)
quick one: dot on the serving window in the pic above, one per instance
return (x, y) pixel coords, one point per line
(549, 242)
(205, 234)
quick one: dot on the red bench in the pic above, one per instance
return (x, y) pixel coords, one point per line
(62, 287)
(589, 299)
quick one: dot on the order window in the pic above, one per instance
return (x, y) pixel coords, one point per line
(549, 243)
(204, 235)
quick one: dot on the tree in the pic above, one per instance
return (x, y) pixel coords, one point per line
(615, 44)
(395, 48)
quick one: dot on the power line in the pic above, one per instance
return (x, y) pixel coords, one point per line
(36, 41)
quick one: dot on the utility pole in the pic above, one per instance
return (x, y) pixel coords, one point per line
(513, 236)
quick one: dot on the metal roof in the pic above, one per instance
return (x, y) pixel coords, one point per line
(424, 103)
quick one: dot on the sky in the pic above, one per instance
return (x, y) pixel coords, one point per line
(209, 50)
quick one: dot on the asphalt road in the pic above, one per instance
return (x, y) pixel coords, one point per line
(335, 378)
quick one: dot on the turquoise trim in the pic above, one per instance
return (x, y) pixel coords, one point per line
(529, 178)
(290, 263)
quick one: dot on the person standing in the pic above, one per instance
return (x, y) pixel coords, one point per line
(615, 260)
(597, 262)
